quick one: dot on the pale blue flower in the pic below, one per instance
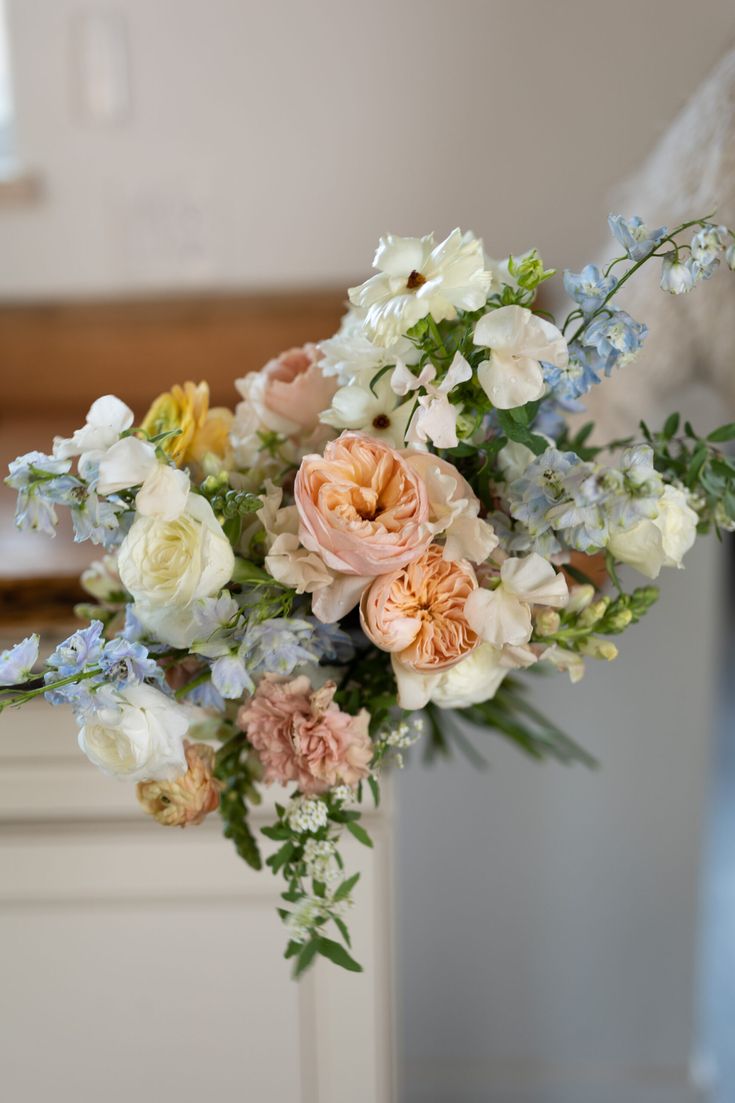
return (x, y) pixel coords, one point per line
(82, 649)
(589, 287)
(27, 469)
(206, 696)
(581, 518)
(707, 245)
(616, 338)
(634, 489)
(635, 237)
(96, 519)
(230, 677)
(542, 485)
(16, 664)
(278, 646)
(569, 383)
(330, 642)
(35, 513)
(126, 664)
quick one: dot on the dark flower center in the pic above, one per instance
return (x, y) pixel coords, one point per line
(415, 280)
(381, 421)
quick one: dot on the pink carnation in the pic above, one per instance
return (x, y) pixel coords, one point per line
(301, 735)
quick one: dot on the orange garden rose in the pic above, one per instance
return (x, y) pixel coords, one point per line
(418, 612)
(361, 506)
(202, 429)
(187, 799)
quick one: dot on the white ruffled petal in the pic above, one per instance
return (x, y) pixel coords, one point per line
(534, 580)
(498, 617)
(126, 464)
(509, 380)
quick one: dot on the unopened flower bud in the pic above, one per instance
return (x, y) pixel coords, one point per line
(186, 799)
(597, 648)
(593, 613)
(547, 622)
(619, 620)
(579, 598)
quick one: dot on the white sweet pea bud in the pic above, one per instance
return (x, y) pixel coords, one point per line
(580, 597)
(676, 278)
(548, 622)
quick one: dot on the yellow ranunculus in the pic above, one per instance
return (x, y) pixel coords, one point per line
(201, 430)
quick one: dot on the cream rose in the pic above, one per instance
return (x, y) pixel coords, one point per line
(660, 542)
(473, 679)
(143, 739)
(167, 564)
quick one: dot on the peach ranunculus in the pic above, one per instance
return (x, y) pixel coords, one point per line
(187, 799)
(301, 735)
(418, 612)
(362, 507)
(201, 429)
(288, 394)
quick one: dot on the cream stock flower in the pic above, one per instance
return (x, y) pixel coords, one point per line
(503, 615)
(416, 278)
(518, 341)
(418, 612)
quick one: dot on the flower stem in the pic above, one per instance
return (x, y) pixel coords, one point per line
(47, 686)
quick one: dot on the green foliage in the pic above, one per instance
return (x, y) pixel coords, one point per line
(700, 466)
(236, 767)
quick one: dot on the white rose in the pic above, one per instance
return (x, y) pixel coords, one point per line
(172, 563)
(660, 542)
(469, 682)
(140, 741)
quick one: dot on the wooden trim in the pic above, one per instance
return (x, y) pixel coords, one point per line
(39, 604)
(19, 188)
(57, 357)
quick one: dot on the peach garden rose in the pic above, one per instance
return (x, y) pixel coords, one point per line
(418, 612)
(361, 506)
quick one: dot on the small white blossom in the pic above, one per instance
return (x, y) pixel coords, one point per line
(307, 814)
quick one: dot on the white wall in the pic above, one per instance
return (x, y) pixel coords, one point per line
(270, 143)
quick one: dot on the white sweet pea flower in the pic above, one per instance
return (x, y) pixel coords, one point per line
(416, 278)
(107, 418)
(436, 418)
(660, 542)
(503, 615)
(518, 340)
(125, 463)
(453, 509)
(473, 679)
(562, 659)
(141, 739)
(376, 411)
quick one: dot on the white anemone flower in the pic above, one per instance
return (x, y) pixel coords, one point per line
(436, 417)
(415, 278)
(377, 411)
(518, 341)
(503, 616)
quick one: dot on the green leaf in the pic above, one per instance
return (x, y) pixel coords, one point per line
(292, 949)
(725, 432)
(378, 376)
(360, 834)
(346, 887)
(671, 425)
(342, 928)
(244, 571)
(281, 857)
(520, 433)
(374, 789)
(307, 953)
(337, 954)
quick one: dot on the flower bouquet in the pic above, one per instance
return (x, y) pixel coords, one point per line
(393, 529)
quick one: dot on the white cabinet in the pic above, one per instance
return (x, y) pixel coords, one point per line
(139, 962)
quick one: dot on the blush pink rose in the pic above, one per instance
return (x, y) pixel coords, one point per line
(296, 388)
(418, 612)
(301, 735)
(361, 506)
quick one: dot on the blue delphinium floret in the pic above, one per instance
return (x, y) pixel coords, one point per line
(615, 337)
(125, 664)
(589, 288)
(16, 664)
(635, 237)
(80, 650)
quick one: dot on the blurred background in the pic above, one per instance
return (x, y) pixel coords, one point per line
(186, 188)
